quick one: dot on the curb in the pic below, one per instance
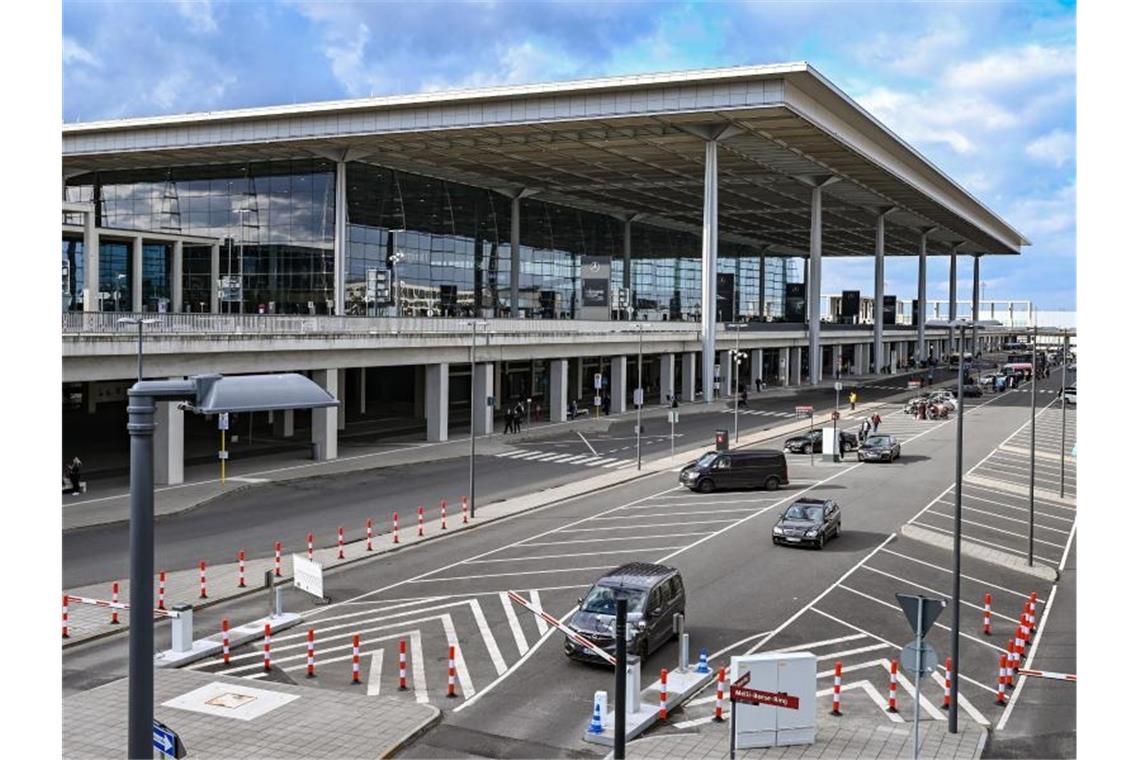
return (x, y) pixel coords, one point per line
(984, 553)
(414, 734)
(1018, 490)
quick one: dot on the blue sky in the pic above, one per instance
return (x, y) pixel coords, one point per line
(986, 90)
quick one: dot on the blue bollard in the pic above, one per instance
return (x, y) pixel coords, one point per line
(703, 662)
(596, 721)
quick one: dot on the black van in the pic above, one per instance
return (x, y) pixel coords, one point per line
(764, 468)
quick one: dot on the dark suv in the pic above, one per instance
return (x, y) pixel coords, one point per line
(736, 469)
(653, 594)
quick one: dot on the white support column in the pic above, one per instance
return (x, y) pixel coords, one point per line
(137, 275)
(976, 307)
(419, 384)
(688, 376)
(785, 366)
(515, 211)
(559, 379)
(90, 262)
(880, 250)
(666, 370)
(340, 239)
(617, 384)
(627, 254)
(795, 362)
(755, 367)
(708, 272)
(168, 443)
(176, 278)
(498, 377)
(815, 356)
(342, 395)
(436, 395)
(324, 432)
(283, 423)
(923, 353)
(484, 386)
(215, 275)
(362, 389)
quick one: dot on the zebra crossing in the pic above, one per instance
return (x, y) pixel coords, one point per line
(554, 457)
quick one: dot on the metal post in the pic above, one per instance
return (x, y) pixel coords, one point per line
(619, 685)
(1064, 404)
(140, 697)
(811, 427)
(474, 411)
(140, 348)
(952, 719)
(918, 672)
(1033, 442)
(640, 392)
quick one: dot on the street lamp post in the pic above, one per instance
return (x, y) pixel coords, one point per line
(952, 718)
(475, 409)
(395, 259)
(1064, 404)
(140, 322)
(640, 392)
(734, 381)
(206, 394)
(1033, 442)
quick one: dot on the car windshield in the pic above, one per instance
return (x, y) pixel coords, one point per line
(602, 600)
(878, 440)
(707, 459)
(800, 512)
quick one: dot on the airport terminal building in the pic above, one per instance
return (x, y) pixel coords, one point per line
(357, 240)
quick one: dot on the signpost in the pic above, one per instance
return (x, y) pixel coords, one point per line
(836, 442)
(809, 412)
(223, 455)
(166, 741)
(308, 576)
(674, 416)
(921, 612)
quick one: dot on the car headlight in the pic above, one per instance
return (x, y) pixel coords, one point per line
(812, 532)
(777, 531)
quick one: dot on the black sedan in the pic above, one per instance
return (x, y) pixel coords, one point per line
(813, 441)
(808, 522)
(880, 448)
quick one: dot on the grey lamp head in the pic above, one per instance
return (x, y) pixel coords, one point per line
(258, 393)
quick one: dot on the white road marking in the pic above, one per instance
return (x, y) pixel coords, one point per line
(973, 539)
(909, 582)
(537, 604)
(677, 514)
(513, 622)
(577, 554)
(622, 538)
(967, 499)
(464, 676)
(612, 528)
(374, 673)
(488, 638)
(450, 578)
(1028, 660)
(824, 643)
(851, 652)
(591, 448)
(995, 647)
(988, 584)
(419, 674)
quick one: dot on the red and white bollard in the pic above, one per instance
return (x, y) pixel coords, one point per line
(162, 590)
(114, 600)
(266, 647)
(225, 641)
(1002, 665)
(277, 558)
(946, 684)
(310, 547)
(892, 693)
(356, 658)
(311, 656)
(719, 715)
(838, 687)
(202, 579)
(986, 615)
(241, 569)
(403, 664)
(1019, 640)
(1011, 652)
(340, 543)
(451, 671)
(395, 528)
(420, 515)
(1025, 621)
(662, 713)
(443, 514)
(464, 510)
(368, 533)
(65, 634)
(1033, 611)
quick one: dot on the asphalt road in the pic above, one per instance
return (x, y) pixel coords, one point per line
(521, 697)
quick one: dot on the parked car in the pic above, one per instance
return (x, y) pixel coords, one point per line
(1069, 395)
(987, 380)
(653, 594)
(911, 406)
(813, 441)
(763, 468)
(808, 521)
(880, 448)
(972, 391)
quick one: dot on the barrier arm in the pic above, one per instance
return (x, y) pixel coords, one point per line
(574, 636)
(116, 605)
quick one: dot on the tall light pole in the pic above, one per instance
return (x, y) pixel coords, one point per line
(640, 396)
(475, 409)
(1033, 441)
(1064, 404)
(140, 322)
(952, 718)
(734, 381)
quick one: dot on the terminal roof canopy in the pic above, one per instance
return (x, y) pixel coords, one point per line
(624, 146)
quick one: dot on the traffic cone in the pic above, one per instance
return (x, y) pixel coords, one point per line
(596, 721)
(703, 662)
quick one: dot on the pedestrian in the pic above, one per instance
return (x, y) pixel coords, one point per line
(864, 428)
(74, 470)
(574, 410)
(853, 398)
(744, 397)
(519, 414)
(606, 405)
(758, 383)
(673, 403)
(875, 420)
(508, 421)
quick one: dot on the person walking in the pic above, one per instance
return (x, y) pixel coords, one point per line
(853, 398)
(508, 420)
(758, 383)
(519, 414)
(74, 471)
(673, 402)
(606, 405)
(744, 397)
(875, 420)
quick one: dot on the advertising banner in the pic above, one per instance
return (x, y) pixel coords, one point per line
(890, 304)
(595, 276)
(795, 302)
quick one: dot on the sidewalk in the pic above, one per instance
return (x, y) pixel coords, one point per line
(281, 720)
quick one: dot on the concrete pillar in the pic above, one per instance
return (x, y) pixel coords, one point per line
(340, 238)
(921, 326)
(215, 275)
(627, 255)
(880, 250)
(755, 367)
(559, 379)
(708, 271)
(435, 398)
(665, 377)
(724, 358)
(324, 432)
(497, 373)
(515, 204)
(688, 376)
(89, 398)
(176, 278)
(617, 384)
(484, 383)
(137, 275)
(168, 444)
(283, 423)
(976, 307)
(90, 263)
(795, 360)
(815, 371)
(576, 378)
(953, 283)
(785, 365)
(342, 388)
(418, 386)
(362, 389)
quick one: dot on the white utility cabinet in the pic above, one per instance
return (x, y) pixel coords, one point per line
(769, 725)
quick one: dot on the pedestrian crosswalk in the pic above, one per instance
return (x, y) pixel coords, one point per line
(554, 457)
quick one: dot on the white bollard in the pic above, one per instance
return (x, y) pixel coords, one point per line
(182, 628)
(633, 685)
(683, 654)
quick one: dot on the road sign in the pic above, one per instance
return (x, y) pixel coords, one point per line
(308, 576)
(834, 416)
(598, 380)
(913, 384)
(674, 416)
(223, 421)
(744, 680)
(804, 411)
(166, 741)
(638, 397)
(838, 386)
(911, 662)
(716, 371)
(931, 609)
(378, 286)
(229, 288)
(758, 697)
(597, 400)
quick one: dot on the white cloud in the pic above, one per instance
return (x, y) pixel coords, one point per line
(1056, 148)
(936, 118)
(1045, 218)
(345, 53)
(199, 15)
(915, 56)
(74, 53)
(1013, 68)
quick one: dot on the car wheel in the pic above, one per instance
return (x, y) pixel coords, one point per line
(705, 485)
(820, 541)
(772, 484)
(838, 528)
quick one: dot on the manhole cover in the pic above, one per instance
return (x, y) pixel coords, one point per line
(230, 700)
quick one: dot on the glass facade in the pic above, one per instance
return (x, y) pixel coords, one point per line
(446, 245)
